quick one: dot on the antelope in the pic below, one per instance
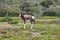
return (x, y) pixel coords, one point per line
(29, 17)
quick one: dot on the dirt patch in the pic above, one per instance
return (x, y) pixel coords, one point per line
(4, 25)
(35, 34)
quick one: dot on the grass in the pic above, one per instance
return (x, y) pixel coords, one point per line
(47, 17)
(42, 30)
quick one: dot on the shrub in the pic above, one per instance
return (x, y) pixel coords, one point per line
(2, 12)
(49, 13)
(3, 19)
(11, 21)
(46, 3)
(25, 7)
(52, 12)
(12, 12)
(8, 12)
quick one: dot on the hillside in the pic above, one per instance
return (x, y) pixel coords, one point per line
(36, 6)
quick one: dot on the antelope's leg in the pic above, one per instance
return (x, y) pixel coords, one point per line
(31, 26)
(24, 26)
(34, 21)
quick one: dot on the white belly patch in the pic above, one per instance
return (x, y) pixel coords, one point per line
(33, 17)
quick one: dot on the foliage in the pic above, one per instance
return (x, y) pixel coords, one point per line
(57, 10)
(49, 13)
(52, 12)
(46, 3)
(2, 12)
(11, 21)
(8, 12)
(13, 12)
(3, 19)
(25, 7)
(14, 7)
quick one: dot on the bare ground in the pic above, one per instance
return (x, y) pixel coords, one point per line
(48, 19)
(4, 25)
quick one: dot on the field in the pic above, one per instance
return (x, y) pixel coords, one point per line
(44, 29)
(47, 19)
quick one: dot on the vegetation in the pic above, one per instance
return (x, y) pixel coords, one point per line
(49, 13)
(39, 32)
(46, 3)
(40, 7)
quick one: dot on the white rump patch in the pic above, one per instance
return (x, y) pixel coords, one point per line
(33, 17)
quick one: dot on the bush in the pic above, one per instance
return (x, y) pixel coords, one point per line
(52, 12)
(2, 12)
(49, 13)
(8, 12)
(12, 12)
(25, 7)
(2, 19)
(46, 3)
(11, 21)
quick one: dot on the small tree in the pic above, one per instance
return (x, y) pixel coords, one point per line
(25, 7)
(2, 12)
(49, 13)
(46, 3)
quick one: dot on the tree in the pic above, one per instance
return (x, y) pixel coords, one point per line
(2, 12)
(46, 3)
(49, 13)
(25, 7)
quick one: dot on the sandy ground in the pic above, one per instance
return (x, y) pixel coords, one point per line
(4, 25)
(48, 19)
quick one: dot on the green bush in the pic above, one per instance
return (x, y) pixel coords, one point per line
(2, 12)
(51, 12)
(22, 6)
(46, 3)
(25, 7)
(3, 19)
(8, 12)
(12, 12)
(11, 21)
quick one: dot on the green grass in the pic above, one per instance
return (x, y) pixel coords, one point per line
(17, 19)
(47, 17)
(42, 30)
(45, 32)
